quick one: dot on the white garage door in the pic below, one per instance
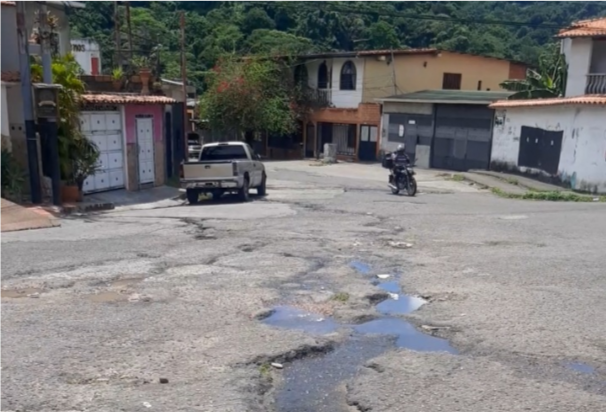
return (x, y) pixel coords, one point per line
(105, 129)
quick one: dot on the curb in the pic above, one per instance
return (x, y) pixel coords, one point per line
(72, 208)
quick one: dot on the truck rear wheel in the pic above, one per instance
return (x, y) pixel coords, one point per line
(193, 196)
(243, 191)
(262, 189)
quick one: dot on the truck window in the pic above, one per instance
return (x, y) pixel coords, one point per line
(223, 152)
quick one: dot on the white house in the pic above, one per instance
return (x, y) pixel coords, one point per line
(561, 139)
(88, 55)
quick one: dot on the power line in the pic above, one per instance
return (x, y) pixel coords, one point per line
(414, 16)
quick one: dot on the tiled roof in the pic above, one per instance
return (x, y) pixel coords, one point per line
(8, 76)
(7, 3)
(585, 28)
(361, 53)
(125, 99)
(591, 99)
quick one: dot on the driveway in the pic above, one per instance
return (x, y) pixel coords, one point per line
(330, 294)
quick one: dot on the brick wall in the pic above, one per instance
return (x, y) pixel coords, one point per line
(366, 113)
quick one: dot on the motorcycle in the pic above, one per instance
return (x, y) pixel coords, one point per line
(403, 179)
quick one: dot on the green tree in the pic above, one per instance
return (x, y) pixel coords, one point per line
(249, 96)
(382, 35)
(549, 80)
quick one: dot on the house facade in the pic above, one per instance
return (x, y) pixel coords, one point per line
(349, 83)
(561, 139)
(14, 131)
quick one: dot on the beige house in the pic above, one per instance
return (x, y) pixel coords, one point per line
(351, 83)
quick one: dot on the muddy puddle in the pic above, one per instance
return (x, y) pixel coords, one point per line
(107, 297)
(20, 293)
(312, 384)
(126, 282)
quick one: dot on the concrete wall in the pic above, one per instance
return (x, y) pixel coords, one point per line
(5, 123)
(583, 156)
(340, 98)
(425, 72)
(10, 47)
(578, 56)
(84, 58)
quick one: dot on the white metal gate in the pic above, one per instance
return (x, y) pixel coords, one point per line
(105, 129)
(145, 141)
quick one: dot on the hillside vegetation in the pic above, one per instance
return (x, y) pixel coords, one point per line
(514, 30)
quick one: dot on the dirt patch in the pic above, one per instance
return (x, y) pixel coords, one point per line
(107, 297)
(20, 293)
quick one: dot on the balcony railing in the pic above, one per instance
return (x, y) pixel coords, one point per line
(596, 83)
(325, 97)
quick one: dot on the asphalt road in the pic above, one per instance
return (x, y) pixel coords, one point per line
(95, 312)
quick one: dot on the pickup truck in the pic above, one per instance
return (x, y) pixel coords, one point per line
(225, 167)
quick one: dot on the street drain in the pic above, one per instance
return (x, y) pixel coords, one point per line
(312, 384)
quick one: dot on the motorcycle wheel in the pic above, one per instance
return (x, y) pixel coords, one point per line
(395, 191)
(411, 187)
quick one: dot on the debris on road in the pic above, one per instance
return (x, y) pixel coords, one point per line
(163, 380)
(383, 276)
(277, 365)
(147, 404)
(400, 245)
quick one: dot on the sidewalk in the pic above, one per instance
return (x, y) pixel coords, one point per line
(523, 181)
(16, 217)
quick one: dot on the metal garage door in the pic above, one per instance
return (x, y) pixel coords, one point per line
(462, 137)
(105, 129)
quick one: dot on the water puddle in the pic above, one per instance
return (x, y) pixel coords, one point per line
(312, 384)
(291, 318)
(407, 336)
(20, 293)
(361, 267)
(580, 367)
(399, 304)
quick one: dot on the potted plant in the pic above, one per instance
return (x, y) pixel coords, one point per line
(83, 163)
(117, 78)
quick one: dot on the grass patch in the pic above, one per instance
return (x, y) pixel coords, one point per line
(457, 177)
(512, 181)
(341, 297)
(265, 370)
(549, 196)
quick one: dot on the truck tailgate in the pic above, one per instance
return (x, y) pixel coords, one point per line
(207, 170)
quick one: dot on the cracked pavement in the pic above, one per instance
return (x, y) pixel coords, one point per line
(96, 311)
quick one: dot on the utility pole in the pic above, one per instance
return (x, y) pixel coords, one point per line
(130, 32)
(184, 81)
(48, 127)
(118, 44)
(28, 113)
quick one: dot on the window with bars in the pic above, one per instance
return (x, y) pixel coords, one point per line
(451, 81)
(323, 76)
(348, 76)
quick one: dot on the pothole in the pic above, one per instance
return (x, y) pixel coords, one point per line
(312, 384)
(126, 282)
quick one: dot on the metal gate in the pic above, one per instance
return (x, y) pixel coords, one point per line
(367, 148)
(540, 149)
(463, 137)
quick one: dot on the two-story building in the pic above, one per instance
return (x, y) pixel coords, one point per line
(561, 139)
(351, 82)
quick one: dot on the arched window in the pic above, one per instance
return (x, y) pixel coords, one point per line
(348, 76)
(301, 76)
(323, 76)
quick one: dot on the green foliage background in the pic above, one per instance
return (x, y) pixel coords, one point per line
(214, 29)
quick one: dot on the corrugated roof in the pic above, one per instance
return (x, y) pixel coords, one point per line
(585, 28)
(591, 99)
(11, 76)
(125, 99)
(449, 97)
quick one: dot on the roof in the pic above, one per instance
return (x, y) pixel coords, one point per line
(365, 53)
(585, 28)
(590, 99)
(74, 4)
(448, 97)
(122, 98)
(11, 76)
